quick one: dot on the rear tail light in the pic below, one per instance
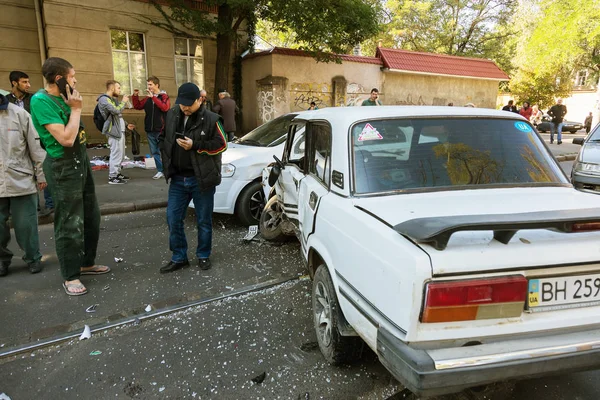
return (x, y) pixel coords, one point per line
(474, 299)
(585, 227)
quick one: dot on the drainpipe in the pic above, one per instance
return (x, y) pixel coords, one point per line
(40, 29)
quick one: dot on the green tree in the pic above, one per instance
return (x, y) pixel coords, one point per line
(564, 38)
(322, 26)
(474, 28)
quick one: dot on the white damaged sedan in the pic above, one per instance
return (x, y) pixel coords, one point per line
(447, 239)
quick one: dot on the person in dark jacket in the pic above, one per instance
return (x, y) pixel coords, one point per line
(510, 107)
(19, 94)
(191, 149)
(227, 108)
(206, 103)
(155, 104)
(557, 112)
(588, 123)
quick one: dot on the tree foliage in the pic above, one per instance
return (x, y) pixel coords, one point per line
(474, 28)
(563, 38)
(321, 26)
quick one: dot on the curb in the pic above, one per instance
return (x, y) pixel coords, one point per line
(566, 157)
(116, 208)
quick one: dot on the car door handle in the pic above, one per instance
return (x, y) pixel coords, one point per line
(312, 201)
(295, 182)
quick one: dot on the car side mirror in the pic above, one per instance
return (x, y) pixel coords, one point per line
(274, 175)
(578, 140)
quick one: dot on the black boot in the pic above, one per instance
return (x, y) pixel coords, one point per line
(4, 268)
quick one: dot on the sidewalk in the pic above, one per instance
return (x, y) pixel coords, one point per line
(140, 193)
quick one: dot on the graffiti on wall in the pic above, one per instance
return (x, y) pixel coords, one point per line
(305, 93)
(354, 94)
(266, 101)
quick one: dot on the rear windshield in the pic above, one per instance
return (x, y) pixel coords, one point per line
(403, 154)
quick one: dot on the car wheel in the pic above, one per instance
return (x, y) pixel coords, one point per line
(270, 221)
(250, 204)
(336, 349)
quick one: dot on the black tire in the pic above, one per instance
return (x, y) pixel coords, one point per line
(250, 204)
(270, 221)
(573, 131)
(336, 349)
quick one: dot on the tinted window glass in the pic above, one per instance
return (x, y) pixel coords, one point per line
(270, 133)
(595, 134)
(428, 153)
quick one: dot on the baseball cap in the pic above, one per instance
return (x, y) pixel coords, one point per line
(187, 94)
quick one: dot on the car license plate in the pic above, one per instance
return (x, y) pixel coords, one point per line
(563, 292)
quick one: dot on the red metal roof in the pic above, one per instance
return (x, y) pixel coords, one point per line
(302, 53)
(439, 64)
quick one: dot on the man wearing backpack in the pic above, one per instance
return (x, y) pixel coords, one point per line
(109, 120)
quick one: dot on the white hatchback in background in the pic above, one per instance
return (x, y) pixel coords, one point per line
(241, 191)
(448, 239)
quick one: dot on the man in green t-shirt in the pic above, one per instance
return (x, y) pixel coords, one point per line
(373, 100)
(56, 114)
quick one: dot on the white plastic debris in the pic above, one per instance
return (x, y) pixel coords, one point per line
(252, 232)
(118, 260)
(148, 308)
(4, 396)
(87, 333)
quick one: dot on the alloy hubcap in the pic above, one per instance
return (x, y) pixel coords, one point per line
(323, 314)
(275, 216)
(257, 204)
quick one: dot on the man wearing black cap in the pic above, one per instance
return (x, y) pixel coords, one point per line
(191, 152)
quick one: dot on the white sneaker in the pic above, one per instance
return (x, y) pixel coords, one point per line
(158, 175)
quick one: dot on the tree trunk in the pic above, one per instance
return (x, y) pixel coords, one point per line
(224, 41)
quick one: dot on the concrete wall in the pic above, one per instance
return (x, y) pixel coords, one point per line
(19, 44)
(416, 89)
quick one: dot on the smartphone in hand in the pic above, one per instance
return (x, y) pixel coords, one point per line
(179, 135)
(62, 87)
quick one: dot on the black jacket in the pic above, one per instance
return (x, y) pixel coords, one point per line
(557, 112)
(26, 100)
(209, 139)
(155, 108)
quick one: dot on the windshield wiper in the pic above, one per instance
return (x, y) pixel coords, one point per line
(251, 142)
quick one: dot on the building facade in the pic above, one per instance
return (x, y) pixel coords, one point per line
(108, 39)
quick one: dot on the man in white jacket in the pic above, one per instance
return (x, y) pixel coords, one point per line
(21, 176)
(114, 127)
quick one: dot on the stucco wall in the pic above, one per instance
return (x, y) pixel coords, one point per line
(19, 44)
(415, 89)
(299, 80)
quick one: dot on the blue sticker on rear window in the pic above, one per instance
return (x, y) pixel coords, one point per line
(522, 126)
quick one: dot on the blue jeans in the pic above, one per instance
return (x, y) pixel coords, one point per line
(558, 128)
(48, 199)
(181, 191)
(153, 142)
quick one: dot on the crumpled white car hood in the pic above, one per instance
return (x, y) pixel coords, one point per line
(472, 251)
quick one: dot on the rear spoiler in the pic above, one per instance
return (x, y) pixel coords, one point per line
(436, 231)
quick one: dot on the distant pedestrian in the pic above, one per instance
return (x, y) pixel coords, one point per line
(373, 100)
(56, 114)
(313, 106)
(536, 115)
(155, 104)
(588, 123)
(557, 112)
(191, 148)
(19, 94)
(114, 128)
(21, 158)
(510, 107)
(227, 109)
(206, 103)
(526, 111)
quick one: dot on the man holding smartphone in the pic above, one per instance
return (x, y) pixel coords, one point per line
(191, 149)
(155, 104)
(56, 114)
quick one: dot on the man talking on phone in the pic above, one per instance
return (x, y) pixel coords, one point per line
(56, 114)
(191, 151)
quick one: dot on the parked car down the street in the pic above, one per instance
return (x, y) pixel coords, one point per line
(447, 239)
(240, 191)
(585, 174)
(568, 126)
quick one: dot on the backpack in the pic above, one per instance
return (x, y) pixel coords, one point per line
(99, 119)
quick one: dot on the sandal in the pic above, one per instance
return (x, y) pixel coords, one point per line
(95, 270)
(70, 286)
